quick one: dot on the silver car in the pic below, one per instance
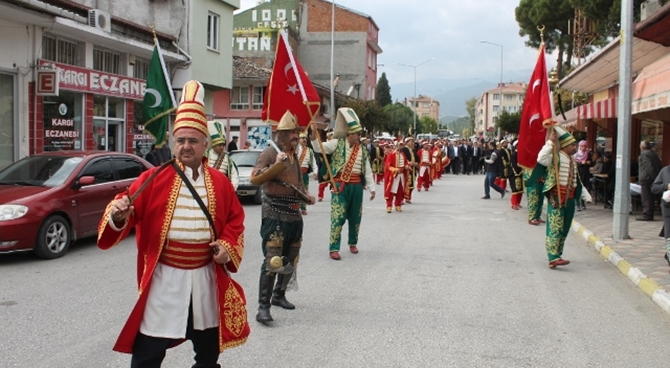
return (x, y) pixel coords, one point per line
(245, 160)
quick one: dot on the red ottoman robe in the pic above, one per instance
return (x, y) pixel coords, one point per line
(153, 213)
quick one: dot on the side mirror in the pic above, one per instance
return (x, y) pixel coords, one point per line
(86, 180)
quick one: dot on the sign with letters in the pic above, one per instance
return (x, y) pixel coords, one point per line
(47, 82)
(73, 78)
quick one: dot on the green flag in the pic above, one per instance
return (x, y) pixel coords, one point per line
(158, 99)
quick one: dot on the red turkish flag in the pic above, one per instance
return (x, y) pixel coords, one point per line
(536, 109)
(289, 88)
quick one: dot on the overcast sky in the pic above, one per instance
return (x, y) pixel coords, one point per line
(449, 31)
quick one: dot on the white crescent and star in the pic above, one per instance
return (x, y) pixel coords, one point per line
(291, 88)
(157, 97)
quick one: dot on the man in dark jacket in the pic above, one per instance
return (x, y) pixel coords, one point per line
(649, 167)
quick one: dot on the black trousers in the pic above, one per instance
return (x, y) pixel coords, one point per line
(149, 352)
(456, 165)
(647, 201)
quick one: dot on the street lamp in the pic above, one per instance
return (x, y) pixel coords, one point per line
(501, 80)
(414, 97)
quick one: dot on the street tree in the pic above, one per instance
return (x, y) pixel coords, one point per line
(470, 108)
(509, 122)
(383, 91)
(372, 116)
(400, 119)
(426, 125)
(554, 15)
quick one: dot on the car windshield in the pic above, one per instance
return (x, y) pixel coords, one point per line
(45, 171)
(245, 158)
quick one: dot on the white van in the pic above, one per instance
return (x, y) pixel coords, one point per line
(429, 137)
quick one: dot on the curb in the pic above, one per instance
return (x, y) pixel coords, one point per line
(642, 281)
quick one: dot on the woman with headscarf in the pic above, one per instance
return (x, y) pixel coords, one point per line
(583, 159)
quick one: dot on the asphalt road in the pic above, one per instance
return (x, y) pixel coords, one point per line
(452, 281)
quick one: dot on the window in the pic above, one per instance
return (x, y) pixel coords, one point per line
(496, 96)
(259, 92)
(101, 170)
(107, 61)
(213, 31)
(128, 168)
(510, 97)
(496, 108)
(141, 69)
(239, 98)
(60, 50)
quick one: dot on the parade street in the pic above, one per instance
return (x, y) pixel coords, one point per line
(452, 281)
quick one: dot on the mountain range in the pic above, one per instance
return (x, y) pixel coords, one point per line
(452, 93)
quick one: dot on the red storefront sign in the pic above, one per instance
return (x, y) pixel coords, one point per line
(47, 82)
(73, 78)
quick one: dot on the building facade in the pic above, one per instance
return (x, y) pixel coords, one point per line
(308, 24)
(82, 83)
(490, 104)
(424, 106)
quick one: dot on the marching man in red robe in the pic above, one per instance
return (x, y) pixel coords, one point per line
(425, 157)
(186, 249)
(395, 179)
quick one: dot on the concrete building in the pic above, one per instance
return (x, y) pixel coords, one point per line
(424, 106)
(489, 104)
(356, 48)
(101, 57)
(308, 23)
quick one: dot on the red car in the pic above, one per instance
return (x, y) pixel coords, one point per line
(50, 199)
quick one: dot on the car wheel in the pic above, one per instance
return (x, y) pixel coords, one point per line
(54, 238)
(258, 197)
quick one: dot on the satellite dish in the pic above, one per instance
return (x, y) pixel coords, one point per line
(351, 89)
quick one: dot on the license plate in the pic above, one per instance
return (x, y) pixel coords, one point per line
(242, 192)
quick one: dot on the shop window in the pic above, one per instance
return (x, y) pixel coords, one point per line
(107, 61)
(142, 140)
(63, 129)
(213, 31)
(239, 98)
(108, 122)
(7, 124)
(60, 50)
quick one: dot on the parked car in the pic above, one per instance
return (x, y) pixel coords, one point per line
(245, 160)
(50, 199)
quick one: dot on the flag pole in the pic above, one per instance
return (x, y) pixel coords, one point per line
(556, 146)
(307, 105)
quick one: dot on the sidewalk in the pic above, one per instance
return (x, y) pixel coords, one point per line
(640, 257)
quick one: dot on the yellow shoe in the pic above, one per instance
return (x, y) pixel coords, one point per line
(388, 209)
(398, 208)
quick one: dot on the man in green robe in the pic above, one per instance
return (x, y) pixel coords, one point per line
(350, 168)
(562, 186)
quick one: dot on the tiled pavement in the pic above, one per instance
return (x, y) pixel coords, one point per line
(643, 251)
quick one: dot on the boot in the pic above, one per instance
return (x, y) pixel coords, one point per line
(279, 295)
(264, 293)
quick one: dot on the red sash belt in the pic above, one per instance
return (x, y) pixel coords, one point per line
(304, 170)
(354, 179)
(564, 196)
(425, 163)
(186, 256)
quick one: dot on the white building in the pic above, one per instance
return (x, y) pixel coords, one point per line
(488, 105)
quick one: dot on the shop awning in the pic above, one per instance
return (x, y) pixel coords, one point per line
(651, 89)
(603, 109)
(575, 118)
